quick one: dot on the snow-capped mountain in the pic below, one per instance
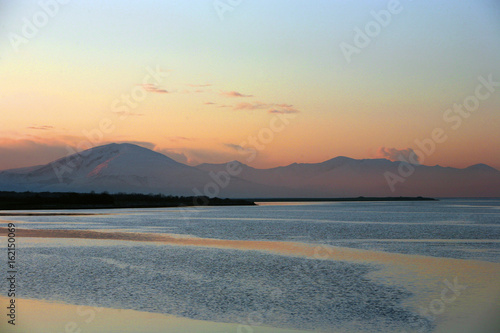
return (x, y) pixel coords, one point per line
(131, 168)
(125, 168)
(114, 167)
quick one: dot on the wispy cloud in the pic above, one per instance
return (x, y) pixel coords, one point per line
(43, 127)
(283, 110)
(394, 154)
(272, 107)
(180, 139)
(199, 85)
(209, 103)
(154, 88)
(128, 114)
(251, 106)
(236, 147)
(234, 94)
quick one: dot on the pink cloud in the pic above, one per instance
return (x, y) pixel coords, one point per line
(283, 110)
(154, 89)
(43, 127)
(199, 85)
(180, 138)
(234, 94)
(250, 106)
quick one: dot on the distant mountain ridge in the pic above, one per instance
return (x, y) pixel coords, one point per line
(130, 168)
(347, 177)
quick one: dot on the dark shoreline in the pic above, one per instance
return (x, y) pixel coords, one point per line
(342, 199)
(72, 200)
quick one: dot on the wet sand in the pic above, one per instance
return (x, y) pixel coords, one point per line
(35, 316)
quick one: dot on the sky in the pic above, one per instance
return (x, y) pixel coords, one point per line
(210, 80)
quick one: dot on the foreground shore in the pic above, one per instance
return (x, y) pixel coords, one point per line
(35, 316)
(235, 264)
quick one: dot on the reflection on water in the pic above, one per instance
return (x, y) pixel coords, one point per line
(346, 267)
(426, 219)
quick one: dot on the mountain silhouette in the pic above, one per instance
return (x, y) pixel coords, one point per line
(130, 168)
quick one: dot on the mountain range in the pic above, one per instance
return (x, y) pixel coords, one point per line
(130, 168)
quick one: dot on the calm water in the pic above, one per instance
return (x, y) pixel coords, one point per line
(409, 250)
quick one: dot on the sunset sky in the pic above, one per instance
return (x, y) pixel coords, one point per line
(196, 80)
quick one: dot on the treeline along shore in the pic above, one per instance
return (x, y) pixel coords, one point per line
(72, 200)
(343, 199)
